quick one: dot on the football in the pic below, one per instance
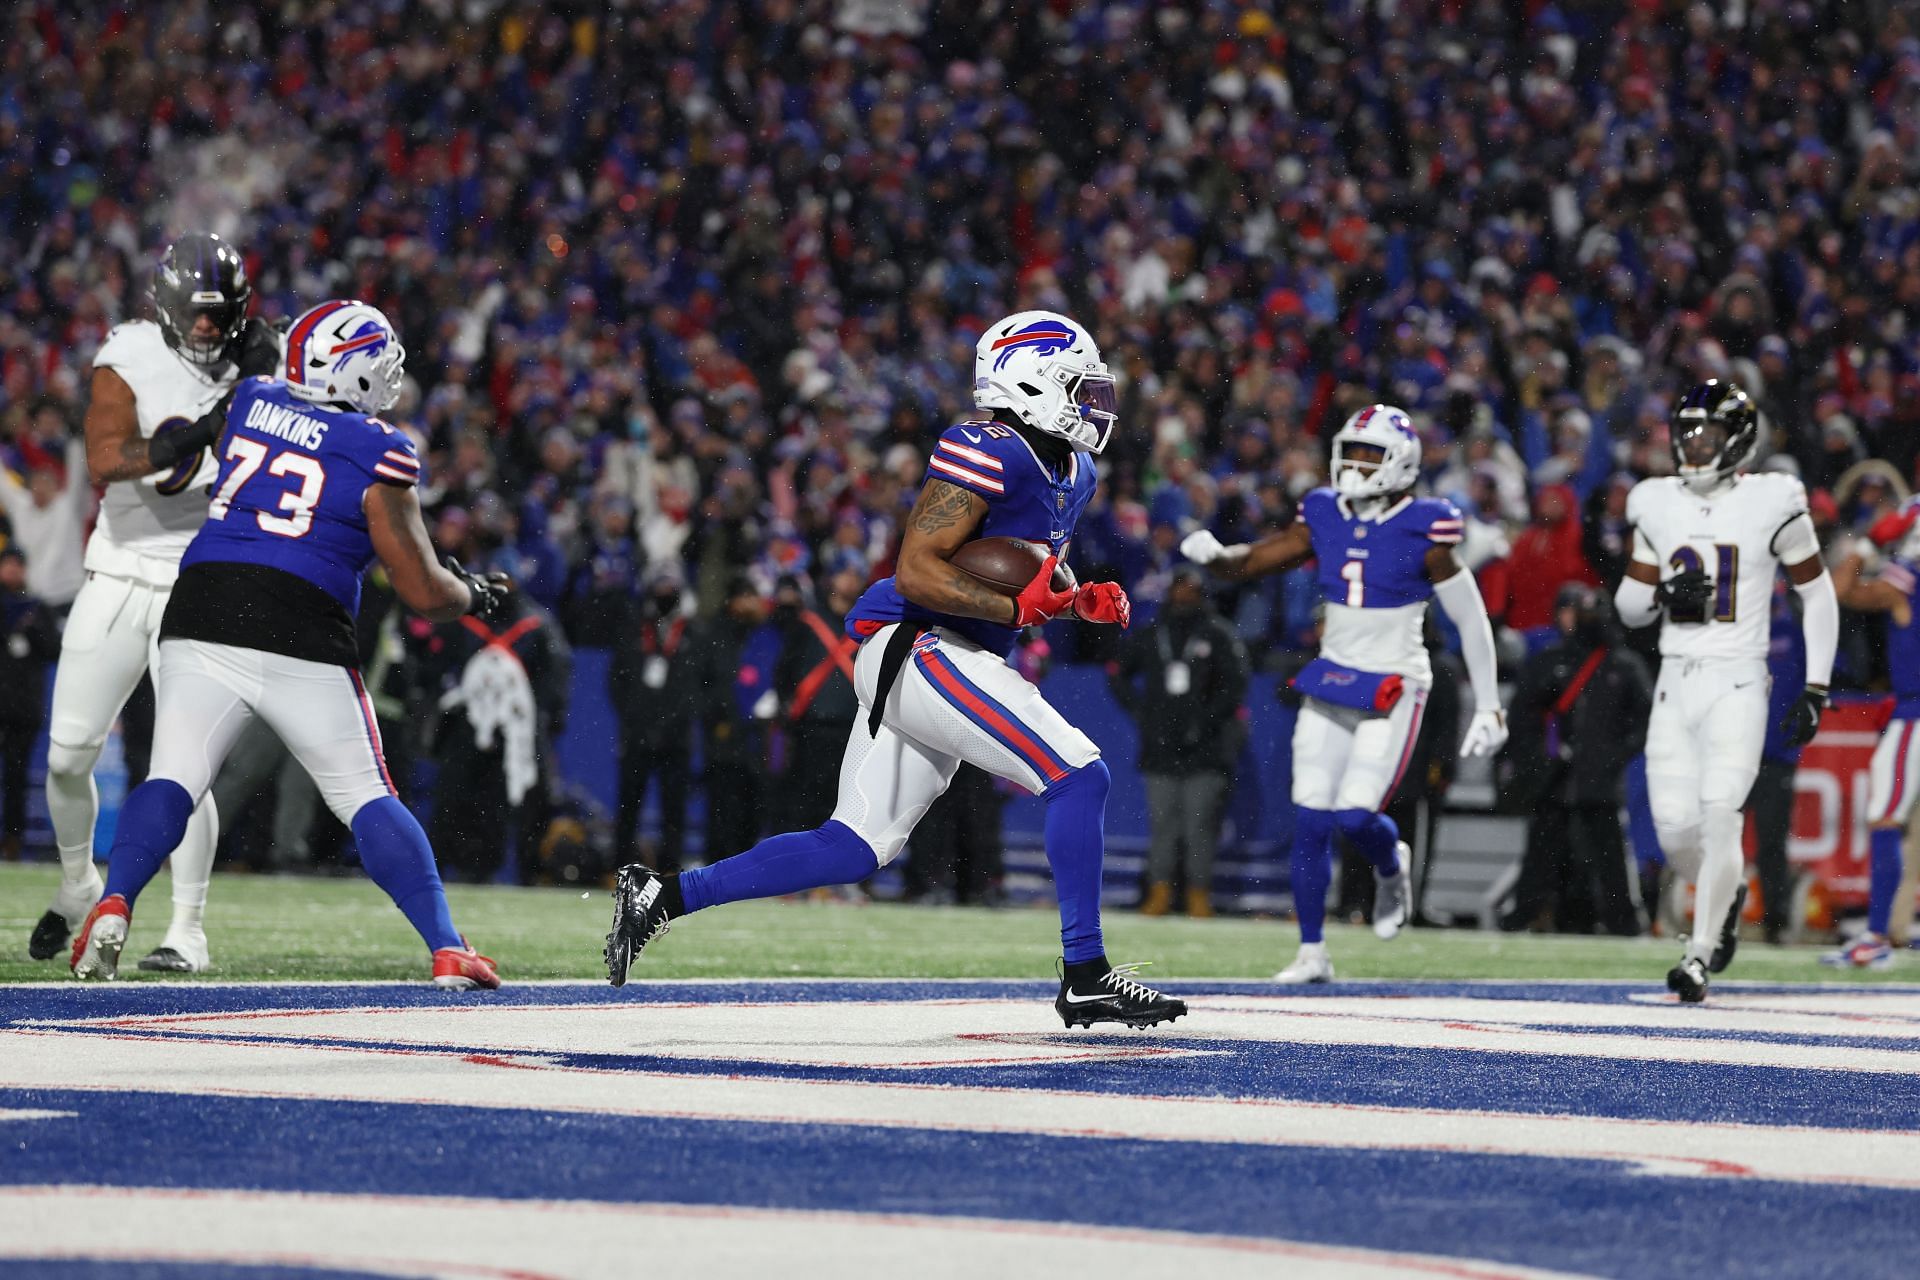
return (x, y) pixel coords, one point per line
(1008, 564)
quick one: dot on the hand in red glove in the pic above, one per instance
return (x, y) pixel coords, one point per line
(1038, 602)
(1103, 602)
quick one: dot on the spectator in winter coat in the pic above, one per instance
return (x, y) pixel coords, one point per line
(1579, 716)
(1183, 679)
(655, 685)
(29, 646)
(1546, 556)
(49, 517)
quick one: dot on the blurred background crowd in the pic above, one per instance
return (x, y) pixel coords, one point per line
(690, 286)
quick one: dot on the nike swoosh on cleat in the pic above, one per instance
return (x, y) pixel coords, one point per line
(1075, 998)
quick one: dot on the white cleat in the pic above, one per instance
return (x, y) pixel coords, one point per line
(1393, 897)
(181, 951)
(96, 952)
(1311, 965)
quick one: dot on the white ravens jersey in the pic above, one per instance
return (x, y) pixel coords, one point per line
(146, 524)
(1739, 535)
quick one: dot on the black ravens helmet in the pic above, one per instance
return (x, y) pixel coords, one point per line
(201, 274)
(1713, 432)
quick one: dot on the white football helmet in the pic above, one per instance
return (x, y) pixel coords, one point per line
(1046, 369)
(345, 352)
(1358, 474)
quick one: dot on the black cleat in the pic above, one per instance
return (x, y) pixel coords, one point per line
(639, 916)
(1729, 934)
(1688, 980)
(1115, 997)
(50, 936)
(167, 960)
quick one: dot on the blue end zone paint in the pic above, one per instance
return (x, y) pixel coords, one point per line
(117, 1269)
(1362, 1075)
(1568, 1214)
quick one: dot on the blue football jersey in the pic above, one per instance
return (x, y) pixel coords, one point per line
(292, 479)
(1372, 571)
(1024, 500)
(1903, 643)
(1377, 562)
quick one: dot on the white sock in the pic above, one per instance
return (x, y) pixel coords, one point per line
(73, 805)
(1721, 866)
(191, 867)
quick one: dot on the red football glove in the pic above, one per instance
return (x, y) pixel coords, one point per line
(1038, 602)
(1103, 602)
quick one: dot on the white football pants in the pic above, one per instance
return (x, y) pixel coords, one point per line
(1704, 737)
(209, 692)
(109, 643)
(1344, 758)
(1894, 777)
(953, 702)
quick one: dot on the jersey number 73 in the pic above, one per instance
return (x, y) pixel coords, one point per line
(246, 457)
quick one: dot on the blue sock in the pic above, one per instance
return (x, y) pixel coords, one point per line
(395, 853)
(1884, 885)
(1076, 851)
(1312, 869)
(789, 863)
(1374, 836)
(151, 823)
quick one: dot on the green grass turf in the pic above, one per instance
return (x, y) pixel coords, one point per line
(282, 928)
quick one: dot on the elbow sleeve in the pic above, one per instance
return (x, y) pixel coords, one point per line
(1635, 603)
(1820, 624)
(1459, 596)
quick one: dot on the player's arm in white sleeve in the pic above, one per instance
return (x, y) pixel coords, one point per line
(945, 518)
(1275, 553)
(1459, 596)
(1637, 598)
(423, 584)
(1799, 550)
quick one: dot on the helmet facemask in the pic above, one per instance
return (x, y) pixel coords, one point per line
(1044, 370)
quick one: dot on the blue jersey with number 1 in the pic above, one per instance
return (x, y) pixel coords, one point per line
(293, 477)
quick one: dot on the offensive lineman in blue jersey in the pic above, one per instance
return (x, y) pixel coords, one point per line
(311, 489)
(1893, 779)
(1382, 554)
(933, 677)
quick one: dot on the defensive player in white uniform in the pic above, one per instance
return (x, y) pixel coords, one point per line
(1382, 554)
(159, 395)
(1706, 545)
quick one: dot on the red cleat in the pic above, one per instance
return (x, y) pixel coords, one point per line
(96, 949)
(463, 970)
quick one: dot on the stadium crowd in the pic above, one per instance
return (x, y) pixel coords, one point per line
(689, 286)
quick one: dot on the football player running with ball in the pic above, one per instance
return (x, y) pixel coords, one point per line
(934, 682)
(159, 398)
(1382, 554)
(311, 488)
(1706, 545)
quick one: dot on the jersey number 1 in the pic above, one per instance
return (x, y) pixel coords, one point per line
(1686, 560)
(247, 457)
(1354, 571)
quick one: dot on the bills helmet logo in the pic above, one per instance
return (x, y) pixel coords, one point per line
(1046, 337)
(371, 337)
(1386, 417)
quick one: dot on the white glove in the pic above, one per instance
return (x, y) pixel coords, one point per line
(1486, 734)
(1201, 547)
